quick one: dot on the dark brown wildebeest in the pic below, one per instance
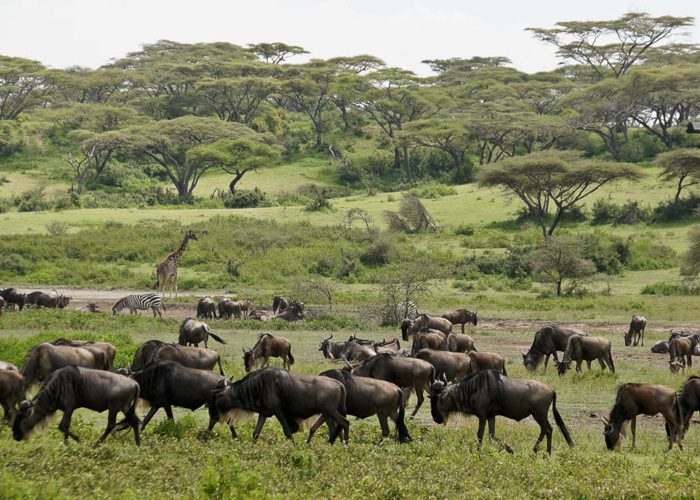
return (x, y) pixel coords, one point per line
(424, 321)
(426, 339)
(349, 351)
(407, 373)
(206, 308)
(636, 331)
(461, 317)
(458, 342)
(11, 392)
(51, 300)
(5, 365)
(110, 352)
(643, 399)
(236, 308)
(680, 350)
(547, 342)
(481, 361)
(194, 332)
(366, 396)
(225, 308)
(289, 397)
(192, 357)
(279, 304)
(661, 347)
(44, 359)
(294, 312)
(74, 387)
(454, 365)
(13, 297)
(688, 401)
(588, 349)
(357, 340)
(489, 394)
(266, 347)
(165, 384)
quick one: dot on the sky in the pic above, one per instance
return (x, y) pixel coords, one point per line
(63, 33)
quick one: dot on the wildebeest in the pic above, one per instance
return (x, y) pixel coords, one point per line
(461, 317)
(680, 350)
(13, 297)
(688, 401)
(481, 361)
(349, 351)
(548, 340)
(234, 308)
(426, 339)
(488, 394)
(459, 342)
(583, 348)
(225, 308)
(194, 332)
(165, 384)
(454, 365)
(661, 347)
(2, 305)
(74, 387)
(192, 357)
(294, 312)
(366, 396)
(51, 300)
(407, 373)
(357, 340)
(643, 399)
(206, 308)
(11, 392)
(45, 358)
(636, 331)
(279, 304)
(110, 352)
(258, 315)
(291, 398)
(266, 347)
(409, 328)
(5, 365)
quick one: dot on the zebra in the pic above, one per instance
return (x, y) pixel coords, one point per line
(406, 310)
(140, 301)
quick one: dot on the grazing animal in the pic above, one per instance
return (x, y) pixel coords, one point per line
(661, 347)
(458, 342)
(5, 365)
(167, 270)
(289, 397)
(461, 317)
(427, 339)
(688, 401)
(206, 308)
(407, 373)
(45, 358)
(294, 312)
(547, 342)
(141, 302)
(165, 384)
(13, 297)
(580, 349)
(422, 321)
(74, 387)
(279, 304)
(194, 332)
(51, 300)
(481, 361)
(266, 347)
(11, 392)
(192, 357)
(453, 365)
(636, 331)
(225, 308)
(109, 351)
(366, 396)
(643, 399)
(488, 394)
(680, 350)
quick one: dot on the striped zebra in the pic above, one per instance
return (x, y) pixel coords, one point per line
(406, 310)
(140, 301)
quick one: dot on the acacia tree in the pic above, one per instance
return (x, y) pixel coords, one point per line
(23, 84)
(91, 154)
(275, 52)
(550, 183)
(557, 259)
(681, 166)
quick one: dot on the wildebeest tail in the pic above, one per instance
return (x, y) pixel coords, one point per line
(560, 422)
(30, 369)
(504, 369)
(130, 416)
(610, 358)
(217, 338)
(401, 429)
(291, 358)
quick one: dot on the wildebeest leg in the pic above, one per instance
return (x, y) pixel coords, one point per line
(206, 341)
(633, 428)
(578, 365)
(221, 368)
(285, 425)
(111, 423)
(462, 327)
(315, 427)
(492, 435)
(259, 425)
(169, 412)
(480, 432)
(419, 395)
(676, 432)
(152, 411)
(7, 409)
(384, 424)
(64, 426)
(546, 361)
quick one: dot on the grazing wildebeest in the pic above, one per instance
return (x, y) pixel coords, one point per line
(426, 339)
(366, 396)
(5, 365)
(206, 308)
(454, 365)
(488, 394)
(13, 297)
(580, 349)
(194, 332)
(74, 387)
(294, 312)
(643, 399)
(51, 300)
(192, 357)
(279, 304)
(165, 384)
(44, 359)
(481, 361)
(11, 392)
(409, 328)
(461, 317)
(109, 351)
(680, 350)
(547, 342)
(266, 347)
(291, 398)
(661, 347)
(407, 373)
(688, 401)
(459, 342)
(636, 331)
(234, 308)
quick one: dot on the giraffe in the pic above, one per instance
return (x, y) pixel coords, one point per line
(167, 270)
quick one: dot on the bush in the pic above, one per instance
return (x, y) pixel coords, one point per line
(32, 201)
(244, 198)
(647, 255)
(318, 199)
(668, 288)
(433, 191)
(57, 228)
(464, 230)
(670, 211)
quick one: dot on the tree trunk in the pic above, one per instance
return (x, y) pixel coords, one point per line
(679, 189)
(397, 158)
(407, 161)
(559, 288)
(232, 184)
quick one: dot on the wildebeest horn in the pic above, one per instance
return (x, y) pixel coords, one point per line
(444, 377)
(347, 363)
(605, 420)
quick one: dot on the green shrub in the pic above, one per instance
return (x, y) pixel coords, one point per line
(433, 191)
(669, 288)
(244, 198)
(647, 255)
(671, 211)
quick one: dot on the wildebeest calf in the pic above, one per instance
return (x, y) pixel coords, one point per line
(588, 349)
(636, 331)
(454, 365)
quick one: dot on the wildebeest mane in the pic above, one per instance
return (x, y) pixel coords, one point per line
(342, 376)
(483, 386)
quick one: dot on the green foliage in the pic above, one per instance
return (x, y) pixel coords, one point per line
(675, 211)
(671, 288)
(691, 260)
(433, 191)
(244, 198)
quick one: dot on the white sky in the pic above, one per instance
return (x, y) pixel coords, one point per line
(63, 33)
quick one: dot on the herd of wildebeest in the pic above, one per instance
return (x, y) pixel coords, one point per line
(376, 377)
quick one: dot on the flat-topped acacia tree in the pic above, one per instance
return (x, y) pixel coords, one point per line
(550, 183)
